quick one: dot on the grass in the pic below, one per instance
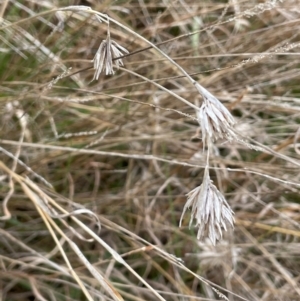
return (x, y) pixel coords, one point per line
(122, 151)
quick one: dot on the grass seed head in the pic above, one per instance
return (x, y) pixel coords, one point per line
(106, 53)
(214, 119)
(210, 209)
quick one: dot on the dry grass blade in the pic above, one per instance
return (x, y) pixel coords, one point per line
(45, 212)
(85, 139)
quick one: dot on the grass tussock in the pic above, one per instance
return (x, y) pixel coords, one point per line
(118, 116)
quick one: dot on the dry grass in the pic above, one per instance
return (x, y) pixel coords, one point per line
(123, 151)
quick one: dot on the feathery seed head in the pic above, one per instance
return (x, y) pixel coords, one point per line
(210, 209)
(103, 60)
(214, 119)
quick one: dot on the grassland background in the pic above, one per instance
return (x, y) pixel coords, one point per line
(122, 148)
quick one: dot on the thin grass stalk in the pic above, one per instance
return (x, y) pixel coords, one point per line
(62, 252)
(115, 255)
(104, 283)
(147, 157)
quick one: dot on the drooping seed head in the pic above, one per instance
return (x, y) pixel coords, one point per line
(210, 210)
(214, 119)
(103, 60)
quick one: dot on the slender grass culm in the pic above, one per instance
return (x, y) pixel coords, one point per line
(100, 164)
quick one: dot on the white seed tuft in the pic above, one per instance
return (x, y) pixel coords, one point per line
(210, 209)
(214, 119)
(103, 60)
